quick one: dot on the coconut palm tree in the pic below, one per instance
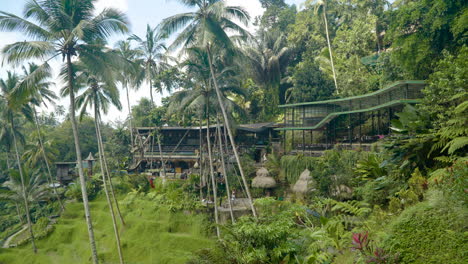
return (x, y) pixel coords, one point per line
(9, 113)
(127, 76)
(320, 7)
(35, 190)
(206, 27)
(152, 60)
(152, 56)
(34, 152)
(201, 97)
(100, 93)
(66, 28)
(267, 59)
(40, 94)
(35, 186)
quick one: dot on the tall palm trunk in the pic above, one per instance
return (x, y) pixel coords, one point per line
(163, 165)
(201, 158)
(330, 49)
(23, 189)
(151, 92)
(111, 185)
(213, 182)
(109, 202)
(8, 159)
(84, 192)
(130, 117)
(44, 156)
(231, 137)
(223, 167)
(20, 217)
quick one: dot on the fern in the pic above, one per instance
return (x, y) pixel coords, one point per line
(354, 207)
(453, 137)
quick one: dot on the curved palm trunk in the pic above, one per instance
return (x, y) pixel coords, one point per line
(84, 192)
(23, 189)
(213, 182)
(109, 202)
(130, 117)
(223, 167)
(111, 185)
(44, 156)
(330, 49)
(231, 137)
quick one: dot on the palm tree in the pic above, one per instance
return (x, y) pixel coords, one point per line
(9, 113)
(320, 6)
(267, 58)
(66, 28)
(40, 94)
(201, 96)
(127, 75)
(152, 60)
(34, 153)
(152, 56)
(35, 188)
(101, 92)
(206, 27)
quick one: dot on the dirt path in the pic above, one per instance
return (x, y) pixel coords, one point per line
(6, 244)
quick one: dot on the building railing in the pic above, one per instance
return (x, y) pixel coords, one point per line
(314, 115)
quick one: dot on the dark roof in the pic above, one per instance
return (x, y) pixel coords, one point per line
(257, 127)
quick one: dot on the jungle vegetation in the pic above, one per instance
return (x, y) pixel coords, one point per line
(403, 202)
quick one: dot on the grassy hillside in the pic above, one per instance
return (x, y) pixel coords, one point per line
(153, 234)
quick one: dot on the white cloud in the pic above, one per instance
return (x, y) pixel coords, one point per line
(122, 5)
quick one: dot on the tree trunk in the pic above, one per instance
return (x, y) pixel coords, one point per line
(111, 185)
(8, 159)
(200, 166)
(231, 137)
(163, 165)
(109, 202)
(23, 189)
(19, 213)
(84, 192)
(330, 49)
(130, 117)
(223, 167)
(213, 182)
(151, 92)
(46, 160)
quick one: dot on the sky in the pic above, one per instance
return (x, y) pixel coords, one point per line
(140, 13)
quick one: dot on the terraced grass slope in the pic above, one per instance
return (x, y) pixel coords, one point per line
(152, 234)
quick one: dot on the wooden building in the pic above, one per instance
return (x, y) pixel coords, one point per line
(67, 171)
(181, 146)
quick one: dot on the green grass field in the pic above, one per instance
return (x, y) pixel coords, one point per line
(151, 235)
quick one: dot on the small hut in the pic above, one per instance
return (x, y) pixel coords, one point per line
(90, 162)
(302, 184)
(263, 179)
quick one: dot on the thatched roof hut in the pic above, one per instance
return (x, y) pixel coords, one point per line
(302, 184)
(263, 179)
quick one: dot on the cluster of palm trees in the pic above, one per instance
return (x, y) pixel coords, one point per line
(207, 41)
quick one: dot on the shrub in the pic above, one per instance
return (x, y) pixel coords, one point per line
(74, 190)
(432, 231)
(137, 182)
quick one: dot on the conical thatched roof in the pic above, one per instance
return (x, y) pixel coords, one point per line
(263, 172)
(263, 180)
(302, 184)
